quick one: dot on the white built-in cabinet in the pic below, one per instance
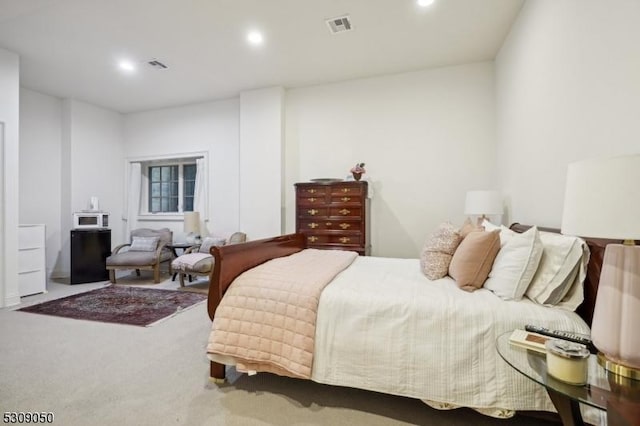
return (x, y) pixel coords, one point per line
(32, 269)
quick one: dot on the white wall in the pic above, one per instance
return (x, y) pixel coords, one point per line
(261, 156)
(568, 88)
(40, 167)
(426, 138)
(92, 165)
(211, 127)
(9, 175)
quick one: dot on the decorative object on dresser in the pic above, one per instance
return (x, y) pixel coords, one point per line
(334, 215)
(602, 200)
(483, 203)
(358, 170)
(32, 277)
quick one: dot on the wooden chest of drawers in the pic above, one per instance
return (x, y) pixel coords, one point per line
(334, 215)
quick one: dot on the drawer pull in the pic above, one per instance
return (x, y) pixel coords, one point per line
(312, 191)
(313, 239)
(328, 224)
(345, 240)
(345, 190)
(345, 212)
(312, 212)
(313, 225)
(345, 225)
(345, 199)
(311, 200)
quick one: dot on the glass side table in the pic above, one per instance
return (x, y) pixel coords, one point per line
(618, 396)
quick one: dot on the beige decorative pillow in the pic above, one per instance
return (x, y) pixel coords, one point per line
(473, 259)
(438, 250)
(469, 226)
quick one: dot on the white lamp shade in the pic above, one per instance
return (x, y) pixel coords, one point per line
(602, 198)
(485, 202)
(192, 222)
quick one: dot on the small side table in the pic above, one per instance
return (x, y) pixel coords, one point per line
(618, 396)
(174, 247)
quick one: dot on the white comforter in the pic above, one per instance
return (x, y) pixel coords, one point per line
(383, 326)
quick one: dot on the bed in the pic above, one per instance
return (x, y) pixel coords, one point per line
(382, 326)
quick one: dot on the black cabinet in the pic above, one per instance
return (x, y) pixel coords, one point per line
(89, 251)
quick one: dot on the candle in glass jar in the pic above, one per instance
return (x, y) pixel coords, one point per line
(567, 361)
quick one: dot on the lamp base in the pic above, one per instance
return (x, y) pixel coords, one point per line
(481, 219)
(617, 368)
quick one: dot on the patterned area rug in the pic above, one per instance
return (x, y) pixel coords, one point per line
(121, 305)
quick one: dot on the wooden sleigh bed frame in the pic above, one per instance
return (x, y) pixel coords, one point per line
(233, 260)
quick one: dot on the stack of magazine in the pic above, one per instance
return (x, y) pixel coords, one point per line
(528, 340)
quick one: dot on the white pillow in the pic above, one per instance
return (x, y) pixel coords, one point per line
(562, 267)
(505, 233)
(488, 226)
(515, 265)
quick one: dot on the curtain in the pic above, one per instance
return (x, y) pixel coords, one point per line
(133, 199)
(200, 195)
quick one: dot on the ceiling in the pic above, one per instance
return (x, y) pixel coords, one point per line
(70, 48)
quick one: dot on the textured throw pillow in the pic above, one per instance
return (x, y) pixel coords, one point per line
(144, 244)
(473, 259)
(515, 265)
(557, 271)
(469, 226)
(209, 242)
(438, 250)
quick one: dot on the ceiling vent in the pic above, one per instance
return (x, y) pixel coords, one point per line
(157, 64)
(340, 24)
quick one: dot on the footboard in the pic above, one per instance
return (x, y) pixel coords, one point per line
(233, 260)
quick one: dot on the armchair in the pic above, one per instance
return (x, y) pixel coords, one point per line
(197, 260)
(147, 250)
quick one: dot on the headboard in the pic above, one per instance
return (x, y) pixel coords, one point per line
(596, 248)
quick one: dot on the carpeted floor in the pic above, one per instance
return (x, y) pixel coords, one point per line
(119, 304)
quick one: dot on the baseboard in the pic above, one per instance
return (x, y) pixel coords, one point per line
(11, 300)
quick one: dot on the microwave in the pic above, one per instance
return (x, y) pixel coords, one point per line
(88, 220)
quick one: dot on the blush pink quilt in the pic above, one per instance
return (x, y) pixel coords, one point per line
(266, 320)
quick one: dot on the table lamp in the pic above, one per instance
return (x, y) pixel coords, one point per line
(192, 226)
(602, 200)
(483, 203)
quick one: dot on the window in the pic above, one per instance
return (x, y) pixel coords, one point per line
(189, 186)
(171, 186)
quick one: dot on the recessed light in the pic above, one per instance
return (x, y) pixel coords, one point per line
(255, 38)
(127, 66)
(424, 3)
